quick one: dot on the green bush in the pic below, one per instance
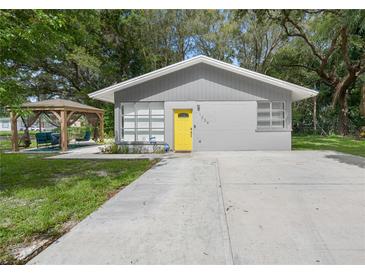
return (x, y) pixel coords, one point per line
(114, 149)
(126, 149)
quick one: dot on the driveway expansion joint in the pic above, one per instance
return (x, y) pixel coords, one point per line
(225, 227)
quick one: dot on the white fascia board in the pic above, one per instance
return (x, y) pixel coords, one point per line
(298, 92)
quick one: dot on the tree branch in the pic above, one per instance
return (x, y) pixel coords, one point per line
(345, 49)
(330, 78)
(360, 71)
(300, 33)
(299, 66)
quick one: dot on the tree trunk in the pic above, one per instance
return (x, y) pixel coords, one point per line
(315, 114)
(362, 101)
(340, 96)
(182, 48)
(14, 131)
(343, 117)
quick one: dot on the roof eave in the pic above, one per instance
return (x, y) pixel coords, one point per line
(298, 95)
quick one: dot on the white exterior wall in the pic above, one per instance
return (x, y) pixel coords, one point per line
(226, 126)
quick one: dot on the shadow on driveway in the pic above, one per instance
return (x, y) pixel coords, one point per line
(348, 159)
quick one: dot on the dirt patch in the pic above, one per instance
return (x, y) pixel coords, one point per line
(22, 252)
(66, 227)
(26, 251)
(113, 193)
(101, 173)
(13, 202)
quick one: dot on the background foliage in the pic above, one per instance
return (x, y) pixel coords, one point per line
(70, 53)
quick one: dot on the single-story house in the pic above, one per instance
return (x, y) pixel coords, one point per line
(203, 104)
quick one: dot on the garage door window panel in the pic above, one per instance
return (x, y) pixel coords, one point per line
(143, 122)
(271, 115)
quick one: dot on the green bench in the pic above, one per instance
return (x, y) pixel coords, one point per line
(85, 138)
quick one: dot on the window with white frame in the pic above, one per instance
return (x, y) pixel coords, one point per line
(143, 122)
(271, 114)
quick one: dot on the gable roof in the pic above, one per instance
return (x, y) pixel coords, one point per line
(298, 92)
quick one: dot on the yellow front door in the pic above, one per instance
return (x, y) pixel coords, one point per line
(183, 129)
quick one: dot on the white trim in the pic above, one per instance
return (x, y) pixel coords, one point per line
(298, 92)
(273, 130)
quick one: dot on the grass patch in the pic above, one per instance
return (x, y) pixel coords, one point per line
(39, 196)
(333, 142)
(20, 133)
(5, 144)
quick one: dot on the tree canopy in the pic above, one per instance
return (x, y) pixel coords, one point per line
(69, 53)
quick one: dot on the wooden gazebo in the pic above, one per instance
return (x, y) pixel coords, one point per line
(63, 112)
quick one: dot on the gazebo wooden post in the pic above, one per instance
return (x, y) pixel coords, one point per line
(63, 123)
(14, 131)
(101, 127)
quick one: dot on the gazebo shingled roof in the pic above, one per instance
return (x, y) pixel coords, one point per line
(60, 103)
(64, 111)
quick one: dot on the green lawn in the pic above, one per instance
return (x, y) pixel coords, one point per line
(337, 143)
(6, 145)
(20, 132)
(5, 141)
(40, 197)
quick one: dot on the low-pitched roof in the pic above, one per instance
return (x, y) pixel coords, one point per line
(60, 104)
(298, 92)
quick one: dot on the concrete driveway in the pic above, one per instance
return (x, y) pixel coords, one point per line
(299, 207)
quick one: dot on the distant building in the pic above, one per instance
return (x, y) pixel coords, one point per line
(5, 124)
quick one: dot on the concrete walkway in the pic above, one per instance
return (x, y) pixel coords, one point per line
(297, 207)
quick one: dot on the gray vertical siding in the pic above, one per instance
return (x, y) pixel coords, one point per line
(226, 126)
(202, 83)
(228, 115)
